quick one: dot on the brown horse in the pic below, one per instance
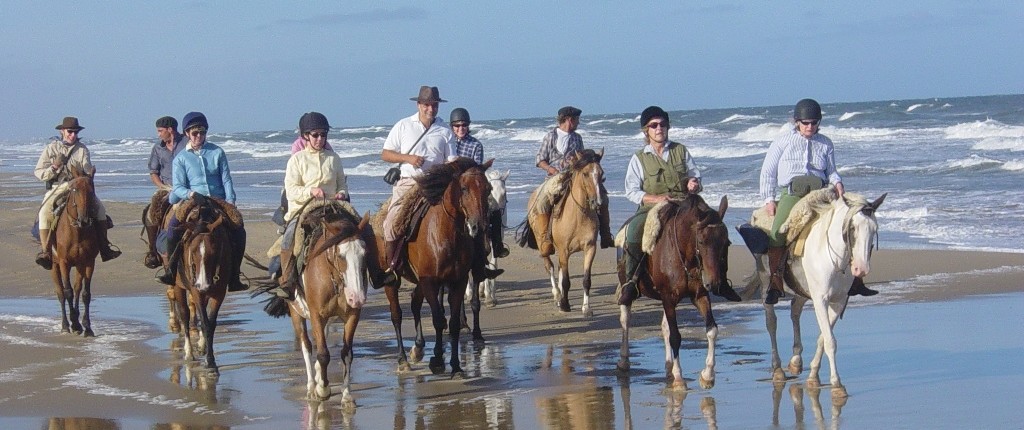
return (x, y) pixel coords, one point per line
(440, 254)
(332, 286)
(76, 246)
(688, 257)
(574, 224)
(203, 276)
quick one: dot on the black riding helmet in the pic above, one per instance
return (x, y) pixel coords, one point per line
(807, 109)
(459, 115)
(313, 121)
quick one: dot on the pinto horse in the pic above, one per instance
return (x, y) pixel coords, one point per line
(687, 255)
(203, 275)
(574, 224)
(76, 245)
(495, 206)
(440, 254)
(332, 287)
(837, 249)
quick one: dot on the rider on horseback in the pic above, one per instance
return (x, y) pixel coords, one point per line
(795, 164)
(55, 166)
(201, 171)
(555, 151)
(662, 170)
(469, 147)
(161, 159)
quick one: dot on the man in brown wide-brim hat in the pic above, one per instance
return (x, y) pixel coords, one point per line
(55, 166)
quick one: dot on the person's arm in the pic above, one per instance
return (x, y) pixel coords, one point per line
(154, 167)
(634, 181)
(179, 179)
(693, 182)
(45, 169)
(225, 178)
(341, 180)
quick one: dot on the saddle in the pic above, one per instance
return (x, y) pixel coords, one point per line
(311, 225)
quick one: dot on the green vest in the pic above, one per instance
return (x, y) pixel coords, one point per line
(661, 177)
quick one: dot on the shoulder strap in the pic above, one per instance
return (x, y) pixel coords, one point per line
(418, 139)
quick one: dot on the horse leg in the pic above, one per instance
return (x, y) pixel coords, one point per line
(796, 362)
(432, 293)
(419, 343)
(62, 295)
(556, 294)
(563, 281)
(456, 301)
(588, 261)
(670, 332)
(172, 314)
(184, 321)
(307, 355)
(76, 301)
(826, 344)
(487, 287)
(771, 322)
(208, 312)
(625, 312)
(351, 322)
(323, 357)
(835, 309)
(703, 304)
(396, 321)
(473, 291)
(86, 291)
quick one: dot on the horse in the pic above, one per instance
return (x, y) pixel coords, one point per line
(574, 224)
(838, 246)
(440, 254)
(76, 245)
(496, 204)
(687, 252)
(332, 287)
(202, 279)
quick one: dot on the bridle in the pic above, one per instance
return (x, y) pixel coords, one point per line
(573, 196)
(78, 221)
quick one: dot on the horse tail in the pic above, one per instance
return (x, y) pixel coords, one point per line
(276, 307)
(524, 235)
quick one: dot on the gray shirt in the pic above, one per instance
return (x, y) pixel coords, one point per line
(160, 158)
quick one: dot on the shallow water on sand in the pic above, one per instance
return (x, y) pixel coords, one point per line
(944, 364)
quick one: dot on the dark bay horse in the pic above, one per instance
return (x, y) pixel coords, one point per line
(332, 287)
(76, 245)
(574, 224)
(203, 274)
(687, 255)
(440, 254)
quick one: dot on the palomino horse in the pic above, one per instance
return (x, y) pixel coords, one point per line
(687, 248)
(496, 204)
(837, 249)
(574, 224)
(202, 278)
(332, 287)
(76, 245)
(440, 254)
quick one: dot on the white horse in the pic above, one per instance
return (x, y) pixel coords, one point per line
(837, 249)
(496, 203)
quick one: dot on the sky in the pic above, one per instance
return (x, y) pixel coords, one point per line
(258, 65)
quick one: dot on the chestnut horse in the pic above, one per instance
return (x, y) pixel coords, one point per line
(202, 278)
(574, 224)
(332, 287)
(76, 246)
(440, 254)
(838, 248)
(687, 258)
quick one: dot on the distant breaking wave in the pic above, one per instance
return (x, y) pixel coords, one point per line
(762, 132)
(914, 107)
(738, 117)
(848, 115)
(984, 129)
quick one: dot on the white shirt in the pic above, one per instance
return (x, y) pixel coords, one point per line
(436, 147)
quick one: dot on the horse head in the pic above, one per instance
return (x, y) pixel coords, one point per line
(474, 189)
(205, 254)
(712, 243)
(346, 252)
(587, 177)
(81, 199)
(499, 192)
(859, 230)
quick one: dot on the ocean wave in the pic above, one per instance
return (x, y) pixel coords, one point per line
(983, 129)
(1013, 165)
(848, 115)
(910, 213)
(917, 106)
(766, 132)
(972, 162)
(530, 134)
(616, 121)
(740, 117)
(370, 168)
(259, 172)
(1014, 144)
(363, 130)
(720, 152)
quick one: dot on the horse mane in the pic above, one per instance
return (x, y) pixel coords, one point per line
(435, 180)
(346, 224)
(584, 158)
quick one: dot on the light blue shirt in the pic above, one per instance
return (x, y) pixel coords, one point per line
(204, 171)
(792, 155)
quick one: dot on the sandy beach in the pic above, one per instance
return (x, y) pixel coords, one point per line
(939, 347)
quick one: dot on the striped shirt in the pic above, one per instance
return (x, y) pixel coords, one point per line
(793, 155)
(470, 147)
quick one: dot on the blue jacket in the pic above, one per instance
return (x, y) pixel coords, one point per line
(204, 171)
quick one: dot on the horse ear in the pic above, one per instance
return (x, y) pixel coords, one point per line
(878, 202)
(600, 154)
(92, 172)
(723, 206)
(487, 164)
(504, 176)
(365, 221)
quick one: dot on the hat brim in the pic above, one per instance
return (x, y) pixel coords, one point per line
(418, 100)
(60, 127)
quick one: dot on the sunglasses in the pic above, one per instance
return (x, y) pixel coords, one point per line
(197, 131)
(318, 135)
(71, 131)
(460, 125)
(809, 122)
(657, 125)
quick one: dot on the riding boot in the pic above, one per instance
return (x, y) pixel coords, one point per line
(497, 231)
(859, 289)
(480, 269)
(777, 256)
(152, 259)
(543, 234)
(391, 253)
(605, 229)
(236, 283)
(627, 290)
(289, 276)
(45, 256)
(106, 252)
(725, 291)
(174, 249)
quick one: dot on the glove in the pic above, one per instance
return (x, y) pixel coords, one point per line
(199, 198)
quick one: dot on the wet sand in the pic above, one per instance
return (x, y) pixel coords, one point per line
(939, 347)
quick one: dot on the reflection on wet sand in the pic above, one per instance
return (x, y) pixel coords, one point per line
(796, 395)
(80, 423)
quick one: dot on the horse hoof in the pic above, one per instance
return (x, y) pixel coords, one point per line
(491, 303)
(564, 307)
(813, 382)
(795, 369)
(679, 385)
(88, 333)
(778, 375)
(348, 403)
(437, 365)
(839, 392)
(622, 365)
(404, 366)
(458, 375)
(478, 338)
(416, 355)
(588, 313)
(706, 384)
(322, 393)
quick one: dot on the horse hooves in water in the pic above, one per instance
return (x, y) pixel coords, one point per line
(564, 306)
(458, 375)
(416, 355)
(839, 392)
(404, 366)
(437, 365)
(88, 333)
(622, 365)
(706, 384)
(778, 375)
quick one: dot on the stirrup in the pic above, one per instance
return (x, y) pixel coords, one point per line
(492, 273)
(110, 253)
(773, 296)
(728, 293)
(628, 292)
(389, 278)
(501, 252)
